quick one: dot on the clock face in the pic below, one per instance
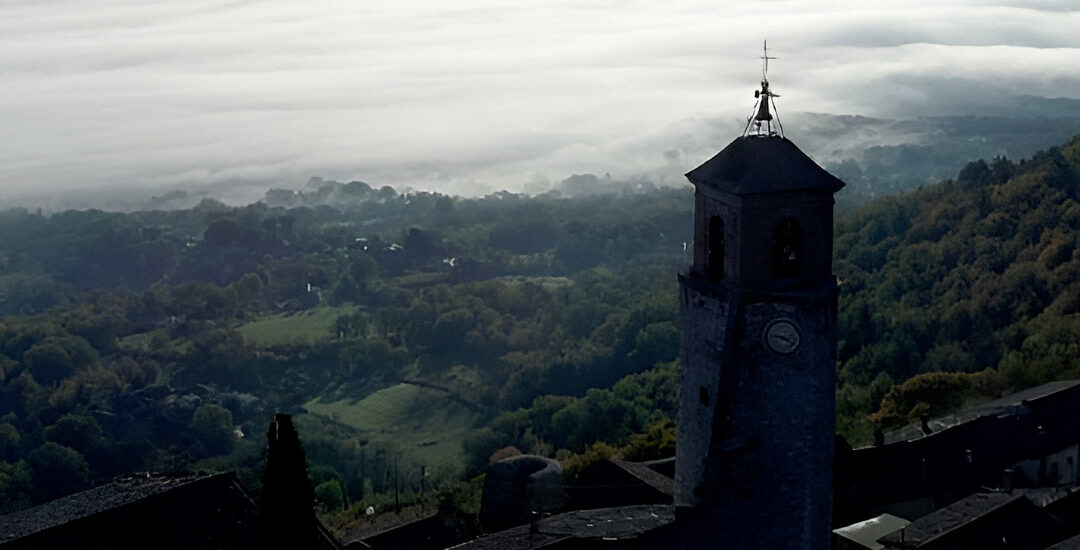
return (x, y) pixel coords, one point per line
(782, 336)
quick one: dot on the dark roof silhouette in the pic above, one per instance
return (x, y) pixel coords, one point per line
(978, 521)
(967, 450)
(430, 528)
(949, 517)
(1013, 404)
(140, 509)
(579, 529)
(1067, 544)
(146, 510)
(753, 164)
(647, 475)
(613, 482)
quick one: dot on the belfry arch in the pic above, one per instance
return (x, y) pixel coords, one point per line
(716, 251)
(787, 250)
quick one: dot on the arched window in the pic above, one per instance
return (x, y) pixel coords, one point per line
(787, 250)
(715, 260)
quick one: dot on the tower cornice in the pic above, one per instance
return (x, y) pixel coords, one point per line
(756, 165)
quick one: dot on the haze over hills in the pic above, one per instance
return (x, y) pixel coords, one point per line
(875, 156)
(226, 99)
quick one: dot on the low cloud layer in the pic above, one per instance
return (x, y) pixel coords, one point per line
(475, 96)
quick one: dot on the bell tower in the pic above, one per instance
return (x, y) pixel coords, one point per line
(757, 398)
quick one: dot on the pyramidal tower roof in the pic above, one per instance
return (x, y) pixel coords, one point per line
(763, 164)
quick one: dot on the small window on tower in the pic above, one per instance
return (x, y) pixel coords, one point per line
(787, 250)
(715, 261)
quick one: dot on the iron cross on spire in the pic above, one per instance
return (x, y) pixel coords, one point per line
(765, 60)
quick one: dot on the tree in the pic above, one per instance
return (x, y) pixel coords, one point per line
(79, 432)
(15, 486)
(9, 441)
(422, 245)
(213, 425)
(49, 362)
(351, 325)
(247, 290)
(478, 446)
(330, 496)
(975, 173)
(288, 516)
(362, 268)
(218, 351)
(653, 343)
(929, 395)
(658, 441)
(57, 471)
(23, 395)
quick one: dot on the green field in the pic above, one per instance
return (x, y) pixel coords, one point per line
(548, 282)
(422, 423)
(415, 280)
(304, 327)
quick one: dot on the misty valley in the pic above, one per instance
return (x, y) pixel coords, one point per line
(417, 336)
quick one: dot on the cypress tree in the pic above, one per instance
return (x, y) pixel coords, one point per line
(288, 498)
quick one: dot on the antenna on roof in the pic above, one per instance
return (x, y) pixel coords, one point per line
(760, 122)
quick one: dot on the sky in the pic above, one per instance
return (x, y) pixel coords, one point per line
(473, 96)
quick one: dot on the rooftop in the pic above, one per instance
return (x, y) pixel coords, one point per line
(949, 518)
(866, 533)
(1067, 544)
(120, 492)
(756, 164)
(982, 520)
(1012, 404)
(647, 475)
(607, 524)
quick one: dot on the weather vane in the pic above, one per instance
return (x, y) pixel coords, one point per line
(760, 122)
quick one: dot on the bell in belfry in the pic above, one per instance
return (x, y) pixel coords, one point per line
(763, 113)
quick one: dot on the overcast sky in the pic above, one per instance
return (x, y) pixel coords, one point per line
(472, 96)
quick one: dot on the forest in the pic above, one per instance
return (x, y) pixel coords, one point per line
(416, 334)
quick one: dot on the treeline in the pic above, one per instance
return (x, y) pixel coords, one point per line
(634, 405)
(980, 272)
(123, 327)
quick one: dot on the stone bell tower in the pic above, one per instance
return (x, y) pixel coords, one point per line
(757, 399)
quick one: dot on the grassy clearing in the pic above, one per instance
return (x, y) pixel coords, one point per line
(548, 282)
(421, 279)
(304, 327)
(422, 423)
(143, 341)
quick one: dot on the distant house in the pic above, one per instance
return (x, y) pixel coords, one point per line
(145, 510)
